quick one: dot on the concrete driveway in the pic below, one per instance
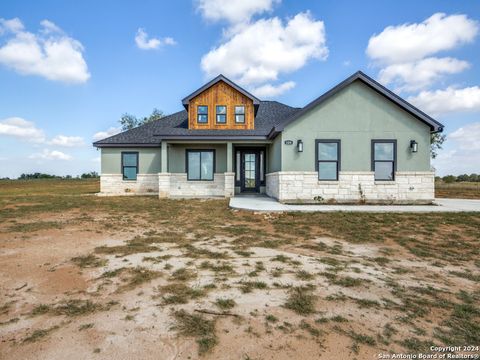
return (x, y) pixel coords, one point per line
(267, 204)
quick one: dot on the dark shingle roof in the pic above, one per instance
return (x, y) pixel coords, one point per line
(269, 115)
(271, 118)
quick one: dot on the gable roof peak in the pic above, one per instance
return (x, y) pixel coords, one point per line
(215, 80)
(434, 125)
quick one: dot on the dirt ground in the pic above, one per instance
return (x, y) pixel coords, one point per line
(84, 277)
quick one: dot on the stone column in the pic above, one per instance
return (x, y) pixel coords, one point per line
(164, 175)
(163, 185)
(229, 184)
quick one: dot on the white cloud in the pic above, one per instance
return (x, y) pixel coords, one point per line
(50, 53)
(22, 129)
(467, 137)
(422, 73)
(104, 134)
(259, 52)
(233, 11)
(51, 155)
(404, 52)
(67, 141)
(464, 156)
(145, 43)
(13, 25)
(449, 100)
(270, 91)
(410, 42)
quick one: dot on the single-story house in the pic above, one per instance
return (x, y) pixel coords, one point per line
(358, 142)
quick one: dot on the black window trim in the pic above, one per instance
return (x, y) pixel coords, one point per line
(216, 114)
(382, 141)
(187, 151)
(123, 166)
(202, 122)
(235, 110)
(338, 161)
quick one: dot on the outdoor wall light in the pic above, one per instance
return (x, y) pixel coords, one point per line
(413, 146)
(300, 146)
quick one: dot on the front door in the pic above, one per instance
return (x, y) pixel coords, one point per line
(249, 172)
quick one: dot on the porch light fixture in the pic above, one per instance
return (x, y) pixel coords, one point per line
(300, 146)
(413, 146)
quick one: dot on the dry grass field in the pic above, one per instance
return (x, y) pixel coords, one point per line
(87, 277)
(458, 190)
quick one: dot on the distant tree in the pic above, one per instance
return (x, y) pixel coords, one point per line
(474, 178)
(436, 144)
(463, 177)
(37, 175)
(449, 179)
(90, 175)
(128, 121)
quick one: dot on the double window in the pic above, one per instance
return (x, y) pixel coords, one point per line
(221, 114)
(129, 165)
(384, 158)
(200, 164)
(202, 114)
(328, 159)
(240, 114)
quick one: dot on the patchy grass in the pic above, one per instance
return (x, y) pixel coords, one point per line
(249, 286)
(183, 274)
(73, 307)
(179, 293)
(301, 300)
(225, 304)
(304, 275)
(197, 326)
(89, 261)
(39, 334)
(138, 276)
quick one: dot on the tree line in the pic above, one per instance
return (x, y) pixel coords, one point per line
(38, 175)
(459, 178)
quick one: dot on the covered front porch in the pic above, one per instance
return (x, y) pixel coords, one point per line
(213, 168)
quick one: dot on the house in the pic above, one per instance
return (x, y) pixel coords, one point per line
(357, 142)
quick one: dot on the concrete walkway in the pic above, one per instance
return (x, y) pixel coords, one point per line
(267, 204)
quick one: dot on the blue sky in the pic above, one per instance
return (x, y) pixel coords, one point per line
(68, 70)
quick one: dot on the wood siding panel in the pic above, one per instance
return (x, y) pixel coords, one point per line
(221, 94)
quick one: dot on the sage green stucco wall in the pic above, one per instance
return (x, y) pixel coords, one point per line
(176, 156)
(148, 160)
(274, 155)
(356, 115)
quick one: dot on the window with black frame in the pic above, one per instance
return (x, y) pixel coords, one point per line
(240, 114)
(200, 164)
(202, 114)
(221, 114)
(328, 159)
(384, 154)
(129, 165)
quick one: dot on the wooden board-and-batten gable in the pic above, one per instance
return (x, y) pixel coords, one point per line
(221, 92)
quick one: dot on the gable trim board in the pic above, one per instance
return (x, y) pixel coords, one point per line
(353, 117)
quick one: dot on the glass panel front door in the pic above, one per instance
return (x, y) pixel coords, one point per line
(250, 171)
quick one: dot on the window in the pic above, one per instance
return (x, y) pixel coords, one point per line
(202, 114)
(328, 159)
(221, 114)
(200, 164)
(384, 154)
(129, 165)
(240, 114)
